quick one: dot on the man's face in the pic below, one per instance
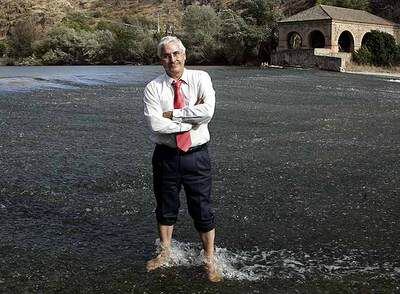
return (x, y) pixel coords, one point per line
(173, 60)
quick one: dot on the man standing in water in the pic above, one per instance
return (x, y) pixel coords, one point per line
(178, 106)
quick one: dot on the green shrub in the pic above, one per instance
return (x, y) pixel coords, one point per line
(131, 43)
(78, 21)
(382, 47)
(30, 60)
(55, 57)
(363, 56)
(40, 47)
(71, 46)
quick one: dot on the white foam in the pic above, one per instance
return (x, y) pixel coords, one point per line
(257, 264)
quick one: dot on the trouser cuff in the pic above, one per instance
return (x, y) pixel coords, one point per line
(201, 228)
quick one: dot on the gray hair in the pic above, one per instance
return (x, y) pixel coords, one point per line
(169, 39)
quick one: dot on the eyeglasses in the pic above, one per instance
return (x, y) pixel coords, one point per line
(174, 54)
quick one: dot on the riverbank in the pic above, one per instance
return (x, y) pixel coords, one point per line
(373, 70)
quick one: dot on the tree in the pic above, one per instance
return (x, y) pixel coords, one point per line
(201, 26)
(22, 36)
(233, 35)
(260, 12)
(387, 9)
(3, 48)
(262, 33)
(352, 4)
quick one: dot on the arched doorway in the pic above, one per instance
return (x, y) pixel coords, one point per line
(366, 37)
(294, 40)
(346, 42)
(316, 39)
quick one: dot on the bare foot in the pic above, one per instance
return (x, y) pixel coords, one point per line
(212, 271)
(159, 261)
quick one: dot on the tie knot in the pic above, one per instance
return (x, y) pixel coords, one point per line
(177, 84)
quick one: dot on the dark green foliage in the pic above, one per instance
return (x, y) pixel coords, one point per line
(131, 43)
(201, 28)
(73, 46)
(22, 36)
(233, 37)
(261, 17)
(230, 37)
(3, 48)
(353, 4)
(389, 9)
(259, 12)
(382, 47)
(363, 56)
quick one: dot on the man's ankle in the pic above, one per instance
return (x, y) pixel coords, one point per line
(165, 247)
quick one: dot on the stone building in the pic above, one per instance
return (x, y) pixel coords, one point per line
(324, 36)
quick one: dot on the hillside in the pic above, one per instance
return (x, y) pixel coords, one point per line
(389, 9)
(45, 13)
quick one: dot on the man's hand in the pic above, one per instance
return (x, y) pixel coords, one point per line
(200, 100)
(167, 114)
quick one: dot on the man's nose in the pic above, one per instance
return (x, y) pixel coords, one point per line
(173, 58)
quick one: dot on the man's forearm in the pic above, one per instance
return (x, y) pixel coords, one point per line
(195, 116)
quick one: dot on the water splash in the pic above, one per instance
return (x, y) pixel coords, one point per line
(258, 264)
(393, 80)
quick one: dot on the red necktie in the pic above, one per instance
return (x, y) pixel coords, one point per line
(183, 141)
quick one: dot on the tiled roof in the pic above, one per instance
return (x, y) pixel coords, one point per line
(325, 12)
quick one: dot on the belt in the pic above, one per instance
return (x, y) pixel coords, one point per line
(191, 149)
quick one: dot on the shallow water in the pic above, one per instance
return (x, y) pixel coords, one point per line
(306, 183)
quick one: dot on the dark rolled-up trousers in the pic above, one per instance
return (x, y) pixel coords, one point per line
(173, 169)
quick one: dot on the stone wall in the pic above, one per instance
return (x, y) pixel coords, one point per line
(326, 52)
(307, 58)
(304, 29)
(397, 34)
(357, 30)
(331, 31)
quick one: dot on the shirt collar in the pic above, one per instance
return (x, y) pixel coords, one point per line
(184, 78)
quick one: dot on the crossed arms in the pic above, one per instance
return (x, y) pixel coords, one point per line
(179, 120)
(170, 114)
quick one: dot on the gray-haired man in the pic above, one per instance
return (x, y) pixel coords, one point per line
(178, 106)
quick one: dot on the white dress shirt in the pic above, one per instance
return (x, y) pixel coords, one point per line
(159, 98)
